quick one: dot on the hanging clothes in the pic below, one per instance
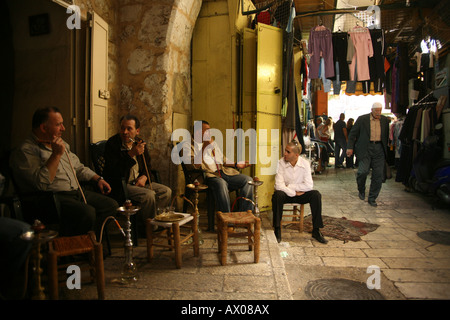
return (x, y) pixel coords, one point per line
(264, 17)
(304, 75)
(419, 124)
(320, 46)
(340, 46)
(376, 62)
(398, 125)
(362, 42)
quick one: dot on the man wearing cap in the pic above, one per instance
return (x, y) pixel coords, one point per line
(370, 136)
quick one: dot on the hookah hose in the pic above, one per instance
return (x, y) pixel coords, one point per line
(103, 225)
(235, 200)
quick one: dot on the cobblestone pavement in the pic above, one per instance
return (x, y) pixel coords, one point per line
(300, 268)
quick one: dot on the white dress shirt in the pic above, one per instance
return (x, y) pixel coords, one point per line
(291, 179)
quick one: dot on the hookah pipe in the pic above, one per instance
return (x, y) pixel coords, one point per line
(256, 182)
(117, 224)
(136, 141)
(246, 199)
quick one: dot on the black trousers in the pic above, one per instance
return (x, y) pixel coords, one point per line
(313, 197)
(79, 218)
(339, 40)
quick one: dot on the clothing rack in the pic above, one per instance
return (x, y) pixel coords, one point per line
(429, 94)
(423, 100)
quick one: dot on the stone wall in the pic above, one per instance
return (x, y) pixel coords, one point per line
(154, 54)
(149, 68)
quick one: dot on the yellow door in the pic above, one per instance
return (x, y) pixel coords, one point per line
(212, 86)
(248, 89)
(99, 79)
(268, 109)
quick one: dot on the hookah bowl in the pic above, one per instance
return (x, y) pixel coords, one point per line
(129, 270)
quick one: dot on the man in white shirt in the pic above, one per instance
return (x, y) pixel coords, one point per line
(294, 184)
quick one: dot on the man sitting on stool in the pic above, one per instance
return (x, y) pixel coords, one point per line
(294, 184)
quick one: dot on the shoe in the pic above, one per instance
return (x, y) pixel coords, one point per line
(361, 195)
(316, 234)
(278, 234)
(372, 203)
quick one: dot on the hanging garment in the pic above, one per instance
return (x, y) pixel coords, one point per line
(376, 62)
(397, 143)
(326, 82)
(337, 83)
(363, 50)
(264, 17)
(340, 45)
(406, 137)
(320, 45)
(350, 50)
(403, 77)
(304, 74)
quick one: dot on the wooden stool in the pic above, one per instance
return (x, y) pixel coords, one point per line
(71, 246)
(173, 235)
(238, 219)
(296, 218)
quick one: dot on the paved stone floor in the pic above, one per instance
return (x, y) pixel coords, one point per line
(300, 268)
(411, 268)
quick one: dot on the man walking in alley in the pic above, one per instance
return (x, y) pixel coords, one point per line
(370, 136)
(340, 141)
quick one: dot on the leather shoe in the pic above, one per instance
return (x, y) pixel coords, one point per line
(372, 203)
(316, 234)
(361, 195)
(278, 234)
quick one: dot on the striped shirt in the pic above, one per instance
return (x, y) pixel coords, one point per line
(375, 129)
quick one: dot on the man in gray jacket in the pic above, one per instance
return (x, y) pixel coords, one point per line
(369, 137)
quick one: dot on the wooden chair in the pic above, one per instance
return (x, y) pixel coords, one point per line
(74, 246)
(245, 220)
(35, 205)
(297, 215)
(175, 238)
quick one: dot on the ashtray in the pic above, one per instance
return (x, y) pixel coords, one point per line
(169, 217)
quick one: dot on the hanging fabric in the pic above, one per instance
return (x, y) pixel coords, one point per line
(340, 46)
(320, 46)
(376, 62)
(362, 43)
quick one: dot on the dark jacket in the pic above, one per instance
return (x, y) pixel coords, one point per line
(359, 137)
(118, 164)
